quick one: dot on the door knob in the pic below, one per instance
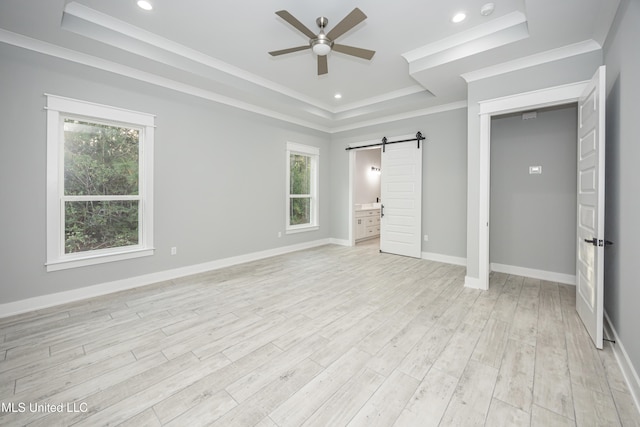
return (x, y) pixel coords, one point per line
(593, 241)
(596, 242)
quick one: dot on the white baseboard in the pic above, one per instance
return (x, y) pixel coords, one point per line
(628, 370)
(534, 274)
(447, 259)
(50, 300)
(472, 282)
(340, 242)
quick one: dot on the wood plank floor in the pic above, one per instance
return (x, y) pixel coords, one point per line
(329, 336)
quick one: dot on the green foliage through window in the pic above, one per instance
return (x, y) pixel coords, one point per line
(300, 180)
(100, 160)
(300, 185)
(94, 225)
(300, 211)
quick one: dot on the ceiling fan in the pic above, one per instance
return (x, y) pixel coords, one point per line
(321, 44)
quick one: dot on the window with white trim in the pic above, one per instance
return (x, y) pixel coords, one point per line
(302, 187)
(99, 183)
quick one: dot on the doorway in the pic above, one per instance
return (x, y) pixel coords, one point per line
(365, 180)
(520, 103)
(366, 195)
(590, 242)
(533, 193)
(396, 215)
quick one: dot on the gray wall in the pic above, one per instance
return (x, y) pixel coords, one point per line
(533, 217)
(219, 175)
(444, 177)
(570, 70)
(366, 184)
(621, 285)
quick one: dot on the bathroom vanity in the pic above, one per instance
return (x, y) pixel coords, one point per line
(367, 221)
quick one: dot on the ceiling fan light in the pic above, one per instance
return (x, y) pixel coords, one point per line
(321, 48)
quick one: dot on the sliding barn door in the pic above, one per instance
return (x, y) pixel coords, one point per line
(401, 213)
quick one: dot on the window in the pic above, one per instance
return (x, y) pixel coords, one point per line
(302, 187)
(99, 183)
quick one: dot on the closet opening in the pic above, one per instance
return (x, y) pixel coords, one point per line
(533, 193)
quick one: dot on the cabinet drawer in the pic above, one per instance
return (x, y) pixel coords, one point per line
(373, 230)
(368, 213)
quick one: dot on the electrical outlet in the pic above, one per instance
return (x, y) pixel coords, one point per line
(426, 237)
(279, 233)
(174, 250)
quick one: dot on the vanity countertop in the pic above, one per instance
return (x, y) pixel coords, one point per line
(367, 206)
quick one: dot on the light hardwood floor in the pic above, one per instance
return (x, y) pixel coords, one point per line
(330, 336)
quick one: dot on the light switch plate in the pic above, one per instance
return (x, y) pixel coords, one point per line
(535, 170)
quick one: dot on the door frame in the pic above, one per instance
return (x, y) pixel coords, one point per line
(549, 97)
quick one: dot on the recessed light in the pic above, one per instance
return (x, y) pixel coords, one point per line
(459, 17)
(144, 5)
(337, 96)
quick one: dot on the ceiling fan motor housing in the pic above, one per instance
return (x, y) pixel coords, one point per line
(322, 22)
(321, 45)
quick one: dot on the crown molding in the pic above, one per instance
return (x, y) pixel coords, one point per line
(552, 55)
(104, 28)
(45, 48)
(135, 35)
(99, 26)
(49, 49)
(389, 96)
(495, 33)
(402, 116)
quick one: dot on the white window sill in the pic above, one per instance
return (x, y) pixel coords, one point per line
(98, 259)
(302, 229)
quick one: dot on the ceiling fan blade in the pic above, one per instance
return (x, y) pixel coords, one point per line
(351, 20)
(295, 23)
(354, 51)
(323, 68)
(290, 50)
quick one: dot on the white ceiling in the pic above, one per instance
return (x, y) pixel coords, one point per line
(218, 49)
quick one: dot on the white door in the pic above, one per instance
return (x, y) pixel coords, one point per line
(591, 241)
(401, 213)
